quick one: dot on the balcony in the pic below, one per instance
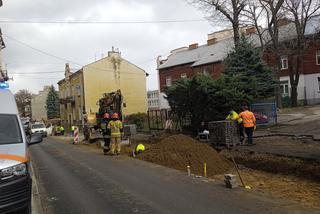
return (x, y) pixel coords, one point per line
(67, 100)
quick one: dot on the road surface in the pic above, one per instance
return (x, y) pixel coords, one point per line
(78, 179)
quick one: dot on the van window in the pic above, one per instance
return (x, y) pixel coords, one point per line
(9, 129)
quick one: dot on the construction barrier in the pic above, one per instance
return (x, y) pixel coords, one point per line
(265, 113)
(76, 135)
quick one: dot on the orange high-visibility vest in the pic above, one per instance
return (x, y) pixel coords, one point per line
(248, 119)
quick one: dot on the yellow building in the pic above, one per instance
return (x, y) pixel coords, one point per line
(82, 90)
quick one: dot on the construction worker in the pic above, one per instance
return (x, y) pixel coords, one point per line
(115, 126)
(235, 117)
(249, 123)
(138, 149)
(72, 130)
(106, 133)
(61, 130)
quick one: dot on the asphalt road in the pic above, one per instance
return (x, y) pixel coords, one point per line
(78, 179)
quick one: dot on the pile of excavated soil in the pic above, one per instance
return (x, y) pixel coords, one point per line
(179, 151)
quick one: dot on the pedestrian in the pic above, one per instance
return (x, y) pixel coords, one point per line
(116, 128)
(249, 123)
(233, 115)
(72, 130)
(106, 133)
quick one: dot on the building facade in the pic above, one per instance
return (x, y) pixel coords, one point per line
(208, 59)
(79, 92)
(157, 101)
(38, 104)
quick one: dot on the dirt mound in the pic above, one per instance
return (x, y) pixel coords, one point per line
(179, 151)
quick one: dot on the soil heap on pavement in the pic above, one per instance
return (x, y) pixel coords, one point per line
(179, 151)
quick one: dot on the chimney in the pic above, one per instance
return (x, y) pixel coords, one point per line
(67, 72)
(211, 41)
(114, 52)
(251, 30)
(193, 46)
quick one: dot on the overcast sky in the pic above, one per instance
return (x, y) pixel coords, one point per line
(81, 43)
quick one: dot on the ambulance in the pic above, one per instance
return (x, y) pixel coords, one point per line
(15, 179)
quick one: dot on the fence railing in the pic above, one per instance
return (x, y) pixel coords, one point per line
(265, 113)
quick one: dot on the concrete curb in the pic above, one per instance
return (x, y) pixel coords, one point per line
(36, 205)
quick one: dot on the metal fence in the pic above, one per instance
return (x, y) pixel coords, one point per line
(265, 113)
(157, 119)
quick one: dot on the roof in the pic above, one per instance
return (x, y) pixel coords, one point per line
(217, 52)
(72, 74)
(10, 106)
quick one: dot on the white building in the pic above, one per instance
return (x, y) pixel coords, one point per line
(156, 100)
(38, 104)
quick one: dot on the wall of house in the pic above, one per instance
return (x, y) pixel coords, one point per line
(70, 112)
(214, 70)
(175, 73)
(153, 100)
(312, 88)
(38, 105)
(301, 86)
(110, 74)
(164, 104)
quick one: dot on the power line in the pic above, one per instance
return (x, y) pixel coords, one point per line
(61, 58)
(41, 51)
(44, 72)
(100, 22)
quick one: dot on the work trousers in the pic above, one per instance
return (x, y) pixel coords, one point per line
(115, 144)
(240, 125)
(249, 133)
(106, 146)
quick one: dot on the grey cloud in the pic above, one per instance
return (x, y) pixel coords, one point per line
(139, 43)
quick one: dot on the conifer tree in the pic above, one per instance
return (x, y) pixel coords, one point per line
(254, 78)
(52, 104)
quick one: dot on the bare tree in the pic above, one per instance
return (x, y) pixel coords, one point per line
(226, 10)
(23, 99)
(267, 13)
(301, 12)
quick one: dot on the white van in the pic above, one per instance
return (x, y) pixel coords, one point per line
(15, 179)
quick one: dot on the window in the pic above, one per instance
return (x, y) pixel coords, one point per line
(168, 81)
(9, 129)
(284, 62)
(206, 71)
(184, 75)
(284, 88)
(319, 83)
(318, 57)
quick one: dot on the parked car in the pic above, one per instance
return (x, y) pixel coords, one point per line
(15, 179)
(261, 118)
(49, 129)
(39, 128)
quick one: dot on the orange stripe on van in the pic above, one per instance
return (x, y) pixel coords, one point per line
(14, 157)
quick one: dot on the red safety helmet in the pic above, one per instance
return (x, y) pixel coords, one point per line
(106, 116)
(115, 116)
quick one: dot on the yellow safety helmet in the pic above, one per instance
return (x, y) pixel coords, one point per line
(140, 148)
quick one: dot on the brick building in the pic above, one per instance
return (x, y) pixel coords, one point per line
(208, 59)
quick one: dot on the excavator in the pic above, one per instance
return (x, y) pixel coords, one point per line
(109, 103)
